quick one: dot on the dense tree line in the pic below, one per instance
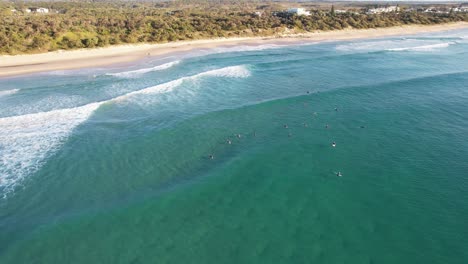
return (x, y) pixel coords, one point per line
(87, 25)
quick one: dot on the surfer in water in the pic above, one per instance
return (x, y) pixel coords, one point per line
(326, 126)
(239, 136)
(339, 174)
(334, 144)
(211, 156)
(228, 141)
(285, 126)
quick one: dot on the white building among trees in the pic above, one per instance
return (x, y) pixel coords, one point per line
(380, 10)
(41, 10)
(298, 11)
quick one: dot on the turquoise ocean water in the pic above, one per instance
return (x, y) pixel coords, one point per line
(111, 165)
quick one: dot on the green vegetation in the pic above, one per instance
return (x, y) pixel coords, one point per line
(72, 25)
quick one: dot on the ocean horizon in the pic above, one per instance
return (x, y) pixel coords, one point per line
(329, 152)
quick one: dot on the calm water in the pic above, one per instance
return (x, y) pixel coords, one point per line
(112, 165)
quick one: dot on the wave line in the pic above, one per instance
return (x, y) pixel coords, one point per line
(27, 140)
(136, 73)
(8, 92)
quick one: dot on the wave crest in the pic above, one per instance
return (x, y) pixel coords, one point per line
(394, 45)
(8, 92)
(26, 140)
(245, 48)
(423, 47)
(240, 71)
(136, 73)
(231, 72)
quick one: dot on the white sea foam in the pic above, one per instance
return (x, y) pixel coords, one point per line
(60, 72)
(136, 73)
(366, 46)
(243, 48)
(26, 140)
(161, 88)
(240, 71)
(424, 47)
(394, 45)
(232, 72)
(45, 104)
(8, 92)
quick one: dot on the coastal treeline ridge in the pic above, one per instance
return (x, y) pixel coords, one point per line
(72, 25)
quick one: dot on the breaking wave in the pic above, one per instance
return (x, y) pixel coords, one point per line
(45, 104)
(231, 72)
(394, 45)
(245, 48)
(8, 92)
(423, 47)
(26, 140)
(227, 72)
(136, 73)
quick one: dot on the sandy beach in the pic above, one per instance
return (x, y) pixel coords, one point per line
(62, 60)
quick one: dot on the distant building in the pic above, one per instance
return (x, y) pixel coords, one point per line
(430, 10)
(343, 11)
(383, 10)
(37, 10)
(435, 10)
(460, 9)
(298, 11)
